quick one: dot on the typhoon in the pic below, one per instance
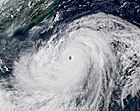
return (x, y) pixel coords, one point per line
(78, 68)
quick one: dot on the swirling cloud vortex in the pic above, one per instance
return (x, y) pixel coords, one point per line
(78, 67)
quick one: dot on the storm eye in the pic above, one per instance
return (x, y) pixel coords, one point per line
(70, 57)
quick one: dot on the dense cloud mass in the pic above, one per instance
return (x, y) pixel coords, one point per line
(78, 68)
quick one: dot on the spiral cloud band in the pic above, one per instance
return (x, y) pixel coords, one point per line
(78, 68)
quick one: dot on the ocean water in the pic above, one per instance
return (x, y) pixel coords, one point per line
(70, 55)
